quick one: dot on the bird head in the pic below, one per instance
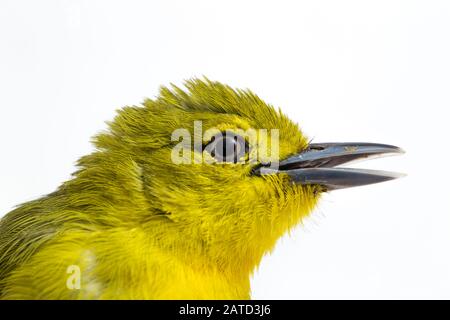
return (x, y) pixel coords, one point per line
(222, 174)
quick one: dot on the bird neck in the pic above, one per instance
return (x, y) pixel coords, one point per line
(114, 193)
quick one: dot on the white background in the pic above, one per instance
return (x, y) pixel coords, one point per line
(345, 70)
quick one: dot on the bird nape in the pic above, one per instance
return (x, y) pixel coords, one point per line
(181, 199)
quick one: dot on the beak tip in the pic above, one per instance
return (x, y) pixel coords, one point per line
(400, 151)
(389, 175)
(399, 175)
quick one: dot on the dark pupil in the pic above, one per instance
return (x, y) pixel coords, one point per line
(227, 148)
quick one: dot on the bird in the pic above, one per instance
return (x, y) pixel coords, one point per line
(182, 197)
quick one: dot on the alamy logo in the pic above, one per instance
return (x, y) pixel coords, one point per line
(74, 279)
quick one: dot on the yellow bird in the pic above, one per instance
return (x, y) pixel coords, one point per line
(181, 199)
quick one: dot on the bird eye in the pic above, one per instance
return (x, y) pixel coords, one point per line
(227, 147)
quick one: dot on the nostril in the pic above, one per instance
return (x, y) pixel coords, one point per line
(316, 147)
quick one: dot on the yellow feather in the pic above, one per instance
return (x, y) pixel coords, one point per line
(139, 226)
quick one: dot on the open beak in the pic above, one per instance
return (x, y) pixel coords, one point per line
(317, 165)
